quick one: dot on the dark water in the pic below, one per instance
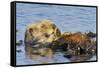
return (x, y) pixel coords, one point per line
(67, 19)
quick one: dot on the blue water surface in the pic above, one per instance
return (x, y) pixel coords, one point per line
(67, 19)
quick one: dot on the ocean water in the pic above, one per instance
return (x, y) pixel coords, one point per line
(67, 19)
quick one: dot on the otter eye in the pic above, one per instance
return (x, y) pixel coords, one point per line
(52, 32)
(46, 35)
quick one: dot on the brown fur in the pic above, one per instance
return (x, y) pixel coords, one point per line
(77, 38)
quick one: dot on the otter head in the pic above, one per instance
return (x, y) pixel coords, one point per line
(41, 32)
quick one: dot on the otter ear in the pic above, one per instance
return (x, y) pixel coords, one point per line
(30, 30)
(53, 26)
(57, 32)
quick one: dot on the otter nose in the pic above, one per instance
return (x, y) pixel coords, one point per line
(46, 35)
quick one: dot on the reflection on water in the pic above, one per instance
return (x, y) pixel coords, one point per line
(67, 19)
(22, 58)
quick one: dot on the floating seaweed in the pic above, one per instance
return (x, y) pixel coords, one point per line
(91, 34)
(18, 51)
(20, 42)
